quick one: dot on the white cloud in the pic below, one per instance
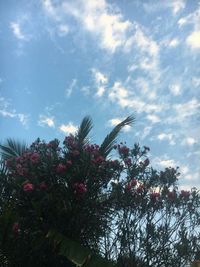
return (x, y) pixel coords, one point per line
(189, 141)
(16, 29)
(69, 128)
(177, 5)
(101, 81)
(192, 177)
(100, 78)
(143, 41)
(119, 93)
(153, 118)
(175, 89)
(196, 81)
(174, 42)
(6, 111)
(193, 40)
(97, 17)
(183, 111)
(101, 19)
(187, 109)
(115, 121)
(193, 18)
(69, 90)
(46, 120)
(156, 6)
(166, 136)
(164, 162)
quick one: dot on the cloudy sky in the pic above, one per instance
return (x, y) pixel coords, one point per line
(64, 59)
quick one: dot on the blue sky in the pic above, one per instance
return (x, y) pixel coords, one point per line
(63, 59)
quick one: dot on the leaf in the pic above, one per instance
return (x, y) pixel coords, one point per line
(75, 252)
(12, 148)
(84, 129)
(110, 139)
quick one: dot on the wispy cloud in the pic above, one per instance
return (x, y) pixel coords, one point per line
(96, 17)
(168, 137)
(46, 121)
(100, 81)
(175, 89)
(7, 111)
(69, 128)
(189, 141)
(70, 88)
(153, 118)
(16, 29)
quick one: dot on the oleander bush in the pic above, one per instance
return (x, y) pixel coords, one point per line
(81, 204)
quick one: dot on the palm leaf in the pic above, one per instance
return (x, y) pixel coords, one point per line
(75, 252)
(110, 139)
(12, 148)
(84, 129)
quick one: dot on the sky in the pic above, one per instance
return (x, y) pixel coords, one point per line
(64, 59)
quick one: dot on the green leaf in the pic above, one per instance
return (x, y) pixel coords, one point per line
(110, 139)
(12, 148)
(75, 252)
(84, 129)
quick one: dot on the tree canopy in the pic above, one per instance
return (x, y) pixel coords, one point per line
(76, 204)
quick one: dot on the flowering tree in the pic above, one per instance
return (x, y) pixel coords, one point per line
(76, 205)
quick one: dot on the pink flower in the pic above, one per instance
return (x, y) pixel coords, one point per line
(35, 157)
(154, 196)
(124, 150)
(171, 195)
(43, 185)
(80, 188)
(99, 160)
(127, 161)
(140, 188)
(128, 186)
(28, 187)
(15, 228)
(133, 182)
(185, 194)
(61, 168)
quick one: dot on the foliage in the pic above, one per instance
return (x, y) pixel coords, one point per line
(72, 205)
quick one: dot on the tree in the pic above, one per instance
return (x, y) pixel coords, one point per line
(75, 205)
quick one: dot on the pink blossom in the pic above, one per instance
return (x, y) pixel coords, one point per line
(100, 159)
(15, 228)
(80, 188)
(154, 196)
(133, 182)
(140, 188)
(35, 157)
(124, 150)
(185, 194)
(28, 187)
(61, 168)
(171, 195)
(127, 161)
(128, 186)
(43, 185)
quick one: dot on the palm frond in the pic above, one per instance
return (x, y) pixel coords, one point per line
(110, 139)
(75, 252)
(84, 129)
(11, 148)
